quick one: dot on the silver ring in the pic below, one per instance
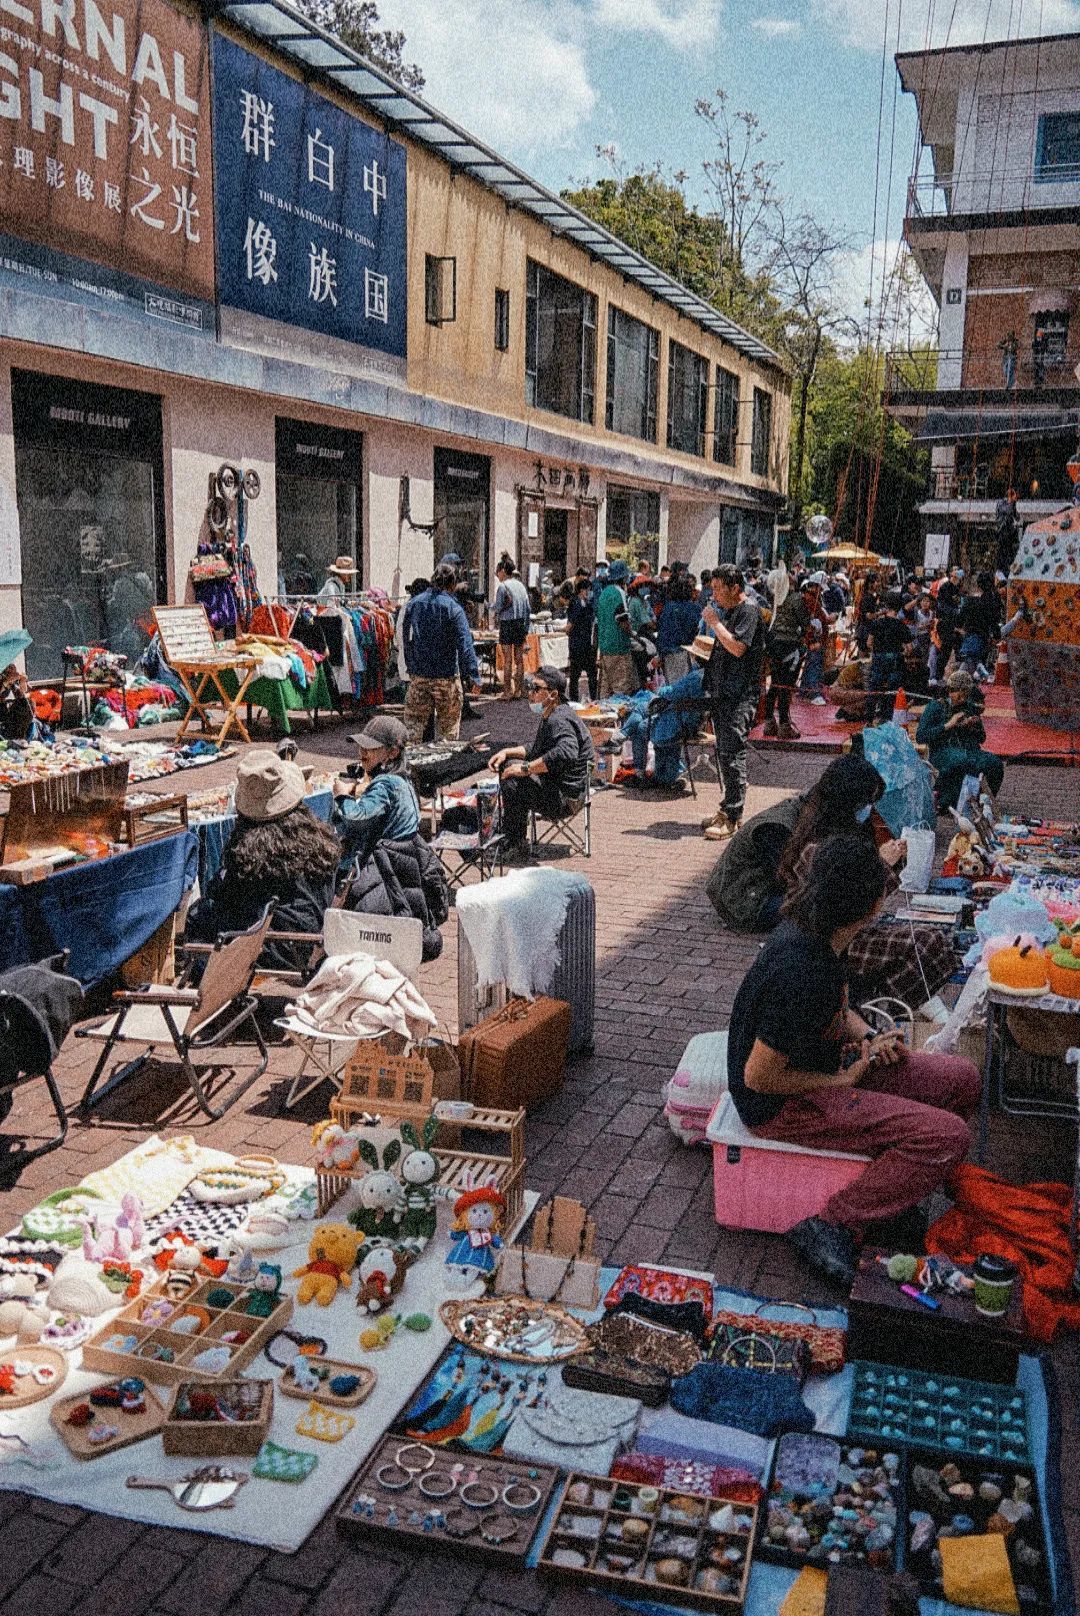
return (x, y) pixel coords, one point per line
(447, 1483)
(531, 1501)
(396, 1486)
(418, 1447)
(479, 1503)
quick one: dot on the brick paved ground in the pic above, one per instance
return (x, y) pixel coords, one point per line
(666, 969)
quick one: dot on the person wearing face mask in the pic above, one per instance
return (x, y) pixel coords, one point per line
(381, 804)
(550, 774)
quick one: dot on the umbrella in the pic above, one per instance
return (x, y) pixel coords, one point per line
(12, 643)
(849, 552)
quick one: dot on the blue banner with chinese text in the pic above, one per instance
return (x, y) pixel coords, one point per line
(309, 205)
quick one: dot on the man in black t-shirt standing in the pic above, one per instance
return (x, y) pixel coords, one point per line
(733, 685)
(889, 634)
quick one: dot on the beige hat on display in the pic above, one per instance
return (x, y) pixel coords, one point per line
(267, 787)
(344, 566)
(703, 646)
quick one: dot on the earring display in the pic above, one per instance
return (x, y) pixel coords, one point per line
(492, 1505)
(517, 1330)
(649, 1543)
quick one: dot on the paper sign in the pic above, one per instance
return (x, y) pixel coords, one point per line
(936, 551)
(534, 524)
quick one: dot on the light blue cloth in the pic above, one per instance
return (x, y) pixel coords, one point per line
(909, 782)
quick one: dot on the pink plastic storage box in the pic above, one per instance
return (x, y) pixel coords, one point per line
(767, 1185)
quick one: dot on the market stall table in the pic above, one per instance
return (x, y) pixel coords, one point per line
(201, 664)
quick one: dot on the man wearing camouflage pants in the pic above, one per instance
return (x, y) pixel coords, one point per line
(439, 648)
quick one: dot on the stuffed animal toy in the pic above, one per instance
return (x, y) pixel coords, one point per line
(477, 1244)
(382, 1197)
(331, 1258)
(382, 1274)
(116, 1241)
(335, 1148)
(420, 1172)
(265, 1291)
(176, 1252)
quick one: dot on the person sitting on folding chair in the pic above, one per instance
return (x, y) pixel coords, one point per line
(553, 772)
(381, 803)
(278, 850)
(666, 718)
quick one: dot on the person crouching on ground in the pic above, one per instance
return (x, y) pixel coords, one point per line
(381, 804)
(953, 733)
(553, 772)
(278, 850)
(674, 711)
(803, 1067)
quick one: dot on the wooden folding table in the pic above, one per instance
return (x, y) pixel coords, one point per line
(198, 660)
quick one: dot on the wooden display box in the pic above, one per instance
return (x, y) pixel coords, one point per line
(99, 1356)
(573, 1532)
(150, 821)
(952, 1339)
(460, 1168)
(214, 1439)
(490, 1470)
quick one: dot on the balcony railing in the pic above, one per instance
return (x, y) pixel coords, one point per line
(930, 370)
(1035, 479)
(940, 195)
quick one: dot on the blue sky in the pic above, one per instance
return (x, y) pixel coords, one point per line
(547, 81)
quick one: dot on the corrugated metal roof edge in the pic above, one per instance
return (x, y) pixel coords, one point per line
(641, 270)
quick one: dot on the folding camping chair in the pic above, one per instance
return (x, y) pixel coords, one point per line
(188, 1020)
(692, 707)
(346, 931)
(562, 824)
(28, 1039)
(480, 849)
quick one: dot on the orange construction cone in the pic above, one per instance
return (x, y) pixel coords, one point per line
(1002, 673)
(900, 714)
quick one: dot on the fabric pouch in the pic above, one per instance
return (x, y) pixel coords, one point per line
(752, 1348)
(689, 1317)
(765, 1405)
(660, 1285)
(975, 1573)
(826, 1342)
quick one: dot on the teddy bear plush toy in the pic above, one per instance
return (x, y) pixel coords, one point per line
(332, 1254)
(334, 1146)
(382, 1274)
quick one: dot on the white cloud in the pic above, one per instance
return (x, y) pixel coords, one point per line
(511, 71)
(910, 318)
(862, 22)
(683, 24)
(777, 27)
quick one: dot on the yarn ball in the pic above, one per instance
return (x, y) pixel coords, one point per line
(901, 1268)
(417, 1322)
(218, 1297)
(344, 1385)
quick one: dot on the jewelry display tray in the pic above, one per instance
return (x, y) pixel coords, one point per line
(408, 1500)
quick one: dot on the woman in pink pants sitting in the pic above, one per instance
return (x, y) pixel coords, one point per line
(805, 1068)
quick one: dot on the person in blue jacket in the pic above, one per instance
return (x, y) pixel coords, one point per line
(381, 804)
(440, 656)
(678, 624)
(668, 724)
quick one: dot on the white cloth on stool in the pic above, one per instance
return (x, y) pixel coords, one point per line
(513, 925)
(363, 997)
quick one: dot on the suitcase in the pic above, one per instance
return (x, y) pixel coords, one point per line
(574, 981)
(517, 1056)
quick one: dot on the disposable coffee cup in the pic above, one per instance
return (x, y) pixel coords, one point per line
(994, 1280)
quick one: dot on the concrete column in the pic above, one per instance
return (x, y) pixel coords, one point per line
(10, 549)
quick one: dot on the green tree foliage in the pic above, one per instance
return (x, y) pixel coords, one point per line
(356, 24)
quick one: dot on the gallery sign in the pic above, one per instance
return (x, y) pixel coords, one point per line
(311, 218)
(105, 153)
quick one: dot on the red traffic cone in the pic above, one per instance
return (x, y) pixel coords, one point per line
(1002, 672)
(900, 712)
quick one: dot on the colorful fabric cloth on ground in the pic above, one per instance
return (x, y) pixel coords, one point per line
(1029, 1224)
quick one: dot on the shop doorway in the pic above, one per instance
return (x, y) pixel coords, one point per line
(463, 514)
(319, 472)
(89, 490)
(556, 542)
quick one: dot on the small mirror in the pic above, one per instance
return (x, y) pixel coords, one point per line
(211, 1487)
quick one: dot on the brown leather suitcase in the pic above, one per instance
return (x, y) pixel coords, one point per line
(517, 1056)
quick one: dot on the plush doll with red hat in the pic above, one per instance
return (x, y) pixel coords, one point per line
(476, 1242)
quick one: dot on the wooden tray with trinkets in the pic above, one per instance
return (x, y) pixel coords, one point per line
(651, 1543)
(490, 1507)
(142, 1339)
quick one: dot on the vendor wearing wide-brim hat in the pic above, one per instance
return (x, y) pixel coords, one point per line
(381, 805)
(278, 850)
(340, 575)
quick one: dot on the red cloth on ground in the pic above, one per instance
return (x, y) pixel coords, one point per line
(1029, 1224)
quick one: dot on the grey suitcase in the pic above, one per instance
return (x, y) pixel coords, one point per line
(575, 974)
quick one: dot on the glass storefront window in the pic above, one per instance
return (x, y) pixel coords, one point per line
(88, 487)
(318, 502)
(462, 507)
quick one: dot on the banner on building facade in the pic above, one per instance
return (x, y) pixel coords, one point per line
(105, 155)
(311, 220)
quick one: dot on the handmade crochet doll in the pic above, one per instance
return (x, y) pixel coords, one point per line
(331, 1256)
(476, 1241)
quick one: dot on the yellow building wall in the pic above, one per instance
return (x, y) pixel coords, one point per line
(451, 215)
